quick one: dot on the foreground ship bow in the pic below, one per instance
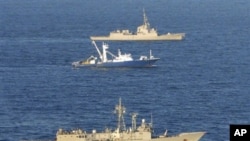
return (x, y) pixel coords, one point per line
(141, 133)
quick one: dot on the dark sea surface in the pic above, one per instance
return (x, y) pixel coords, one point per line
(200, 84)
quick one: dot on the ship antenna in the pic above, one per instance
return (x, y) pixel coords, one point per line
(134, 121)
(151, 124)
(151, 120)
(145, 19)
(120, 110)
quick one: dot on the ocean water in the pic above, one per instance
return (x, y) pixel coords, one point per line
(199, 84)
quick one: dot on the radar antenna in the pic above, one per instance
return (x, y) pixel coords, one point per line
(151, 124)
(134, 115)
(145, 19)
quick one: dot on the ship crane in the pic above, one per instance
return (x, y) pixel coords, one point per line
(99, 52)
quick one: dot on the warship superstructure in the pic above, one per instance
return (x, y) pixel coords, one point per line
(144, 33)
(144, 132)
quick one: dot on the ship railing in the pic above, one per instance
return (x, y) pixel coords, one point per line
(64, 132)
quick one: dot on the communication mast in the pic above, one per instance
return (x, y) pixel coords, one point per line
(120, 111)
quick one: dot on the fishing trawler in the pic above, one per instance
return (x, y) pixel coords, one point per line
(144, 33)
(120, 60)
(141, 133)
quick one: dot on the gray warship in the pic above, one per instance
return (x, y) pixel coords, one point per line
(144, 132)
(144, 33)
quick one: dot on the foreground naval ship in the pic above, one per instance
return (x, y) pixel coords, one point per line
(120, 60)
(144, 33)
(141, 133)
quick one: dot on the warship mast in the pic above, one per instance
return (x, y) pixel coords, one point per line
(120, 110)
(145, 20)
(134, 115)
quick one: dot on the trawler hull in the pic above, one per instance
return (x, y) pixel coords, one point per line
(170, 36)
(128, 64)
(135, 63)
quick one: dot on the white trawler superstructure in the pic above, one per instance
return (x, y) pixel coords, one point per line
(140, 133)
(144, 33)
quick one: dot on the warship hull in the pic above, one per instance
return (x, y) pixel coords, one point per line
(170, 36)
(192, 136)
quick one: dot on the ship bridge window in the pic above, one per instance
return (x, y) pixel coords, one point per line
(143, 58)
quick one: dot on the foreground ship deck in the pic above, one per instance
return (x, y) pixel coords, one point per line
(120, 60)
(144, 33)
(140, 133)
